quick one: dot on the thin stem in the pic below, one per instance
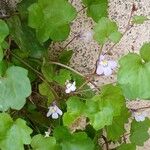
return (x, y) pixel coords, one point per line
(8, 16)
(128, 27)
(106, 142)
(36, 71)
(25, 63)
(70, 42)
(82, 91)
(86, 82)
(73, 70)
(100, 51)
(81, 9)
(135, 109)
(67, 67)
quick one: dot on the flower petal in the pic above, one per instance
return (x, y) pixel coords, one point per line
(107, 71)
(100, 70)
(87, 36)
(112, 64)
(68, 90)
(73, 88)
(139, 118)
(59, 111)
(102, 57)
(68, 85)
(55, 115)
(49, 112)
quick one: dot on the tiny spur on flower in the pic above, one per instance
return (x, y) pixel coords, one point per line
(105, 67)
(70, 86)
(54, 111)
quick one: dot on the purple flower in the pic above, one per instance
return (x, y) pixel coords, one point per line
(139, 116)
(105, 67)
(54, 111)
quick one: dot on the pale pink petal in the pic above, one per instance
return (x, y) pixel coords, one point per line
(87, 36)
(107, 71)
(55, 115)
(59, 111)
(139, 118)
(100, 70)
(68, 85)
(49, 112)
(73, 88)
(102, 57)
(68, 90)
(112, 64)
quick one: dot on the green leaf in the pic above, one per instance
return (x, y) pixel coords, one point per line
(75, 109)
(22, 8)
(1, 53)
(78, 141)
(117, 128)
(103, 107)
(61, 133)
(127, 147)
(106, 30)
(145, 52)
(75, 141)
(108, 98)
(65, 56)
(62, 76)
(25, 38)
(14, 88)
(4, 30)
(41, 143)
(115, 37)
(55, 21)
(3, 67)
(139, 132)
(96, 8)
(48, 72)
(139, 19)
(134, 75)
(13, 134)
(45, 90)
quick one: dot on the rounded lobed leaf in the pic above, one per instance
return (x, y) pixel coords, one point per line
(106, 30)
(43, 143)
(15, 87)
(96, 8)
(51, 19)
(134, 76)
(13, 134)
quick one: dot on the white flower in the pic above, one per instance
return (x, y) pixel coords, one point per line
(54, 111)
(105, 67)
(87, 36)
(139, 116)
(47, 134)
(70, 86)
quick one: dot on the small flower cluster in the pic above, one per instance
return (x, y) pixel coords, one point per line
(70, 86)
(105, 67)
(54, 111)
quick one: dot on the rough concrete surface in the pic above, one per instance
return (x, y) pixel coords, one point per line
(86, 52)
